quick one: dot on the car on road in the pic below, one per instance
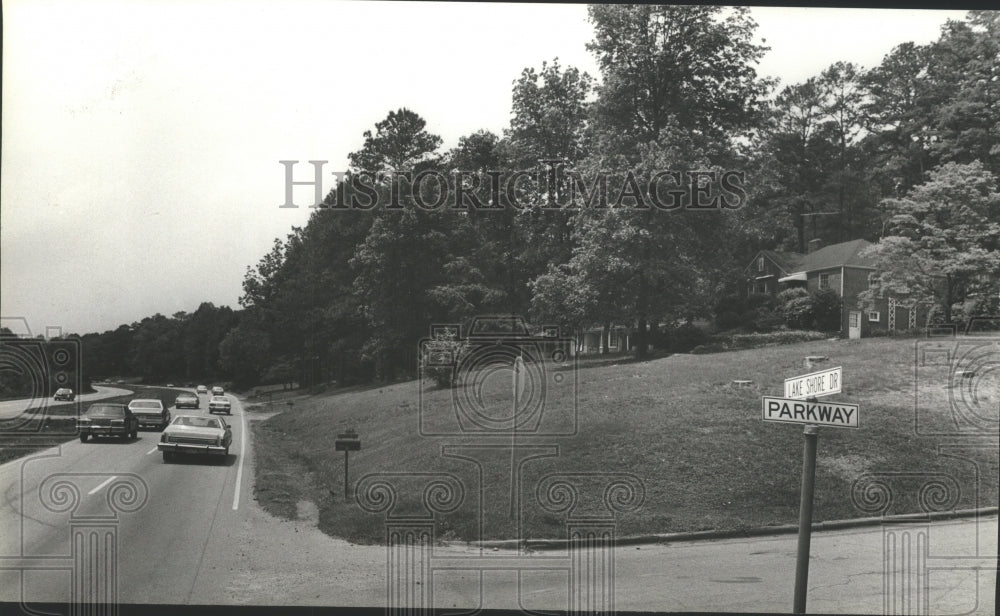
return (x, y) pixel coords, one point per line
(151, 412)
(64, 393)
(187, 400)
(220, 404)
(108, 420)
(218, 391)
(202, 389)
(195, 434)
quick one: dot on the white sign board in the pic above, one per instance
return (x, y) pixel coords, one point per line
(815, 384)
(787, 410)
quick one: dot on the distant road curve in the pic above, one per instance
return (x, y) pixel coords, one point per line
(12, 408)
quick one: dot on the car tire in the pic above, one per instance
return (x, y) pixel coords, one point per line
(84, 437)
(167, 457)
(135, 433)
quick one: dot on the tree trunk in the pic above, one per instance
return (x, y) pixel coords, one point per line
(641, 338)
(948, 297)
(605, 333)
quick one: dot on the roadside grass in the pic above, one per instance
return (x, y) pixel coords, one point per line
(54, 425)
(698, 445)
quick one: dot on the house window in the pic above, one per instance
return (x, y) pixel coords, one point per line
(760, 264)
(874, 317)
(824, 281)
(872, 279)
(761, 287)
(854, 319)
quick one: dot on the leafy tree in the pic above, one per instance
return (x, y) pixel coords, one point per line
(944, 241)
(694, 64)
(549, 114)
(403, 253)
(679, 86)
(400, 141)
(549, 121)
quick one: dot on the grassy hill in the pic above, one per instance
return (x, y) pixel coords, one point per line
(696, 443)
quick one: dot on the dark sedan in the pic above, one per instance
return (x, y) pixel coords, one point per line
(108, 420)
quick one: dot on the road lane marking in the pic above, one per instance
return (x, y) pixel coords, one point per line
(243, 449)
(103, 483)
(151, 450)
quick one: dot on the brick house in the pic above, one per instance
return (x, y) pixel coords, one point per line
(839, 267)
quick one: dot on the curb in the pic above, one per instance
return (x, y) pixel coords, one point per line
(762, 531)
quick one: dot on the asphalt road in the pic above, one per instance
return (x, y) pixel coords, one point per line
(12, 408)
(166, 523)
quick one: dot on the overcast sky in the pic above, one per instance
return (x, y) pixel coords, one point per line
(141, 139)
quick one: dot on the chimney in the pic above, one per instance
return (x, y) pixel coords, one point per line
(815, 245)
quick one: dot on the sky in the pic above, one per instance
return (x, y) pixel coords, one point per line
(141, 138)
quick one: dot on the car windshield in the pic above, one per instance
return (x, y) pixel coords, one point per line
(63, 391)
(145, 404)
(219, 399)
(106, 411)
(198, 422)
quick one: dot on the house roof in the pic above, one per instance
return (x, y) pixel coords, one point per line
(787, 261)
(836, 255)
(844, 254)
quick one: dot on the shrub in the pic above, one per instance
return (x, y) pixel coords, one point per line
(708, 347)
(747, 341)
(728, 319)
(685, 337)
(751, 312)
(826, 310)
(438, 358)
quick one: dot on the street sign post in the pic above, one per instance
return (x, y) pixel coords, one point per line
(815, 384)
(347, 442)
(800, 406)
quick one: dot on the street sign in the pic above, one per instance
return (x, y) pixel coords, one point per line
(347, 441)
(814, 384)
(790, 410)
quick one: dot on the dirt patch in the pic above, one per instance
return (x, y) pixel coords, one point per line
(848, 467)
(307, 511)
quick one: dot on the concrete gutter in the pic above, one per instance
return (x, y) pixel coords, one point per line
(783, 529)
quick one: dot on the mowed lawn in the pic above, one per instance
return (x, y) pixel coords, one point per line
(696, 443)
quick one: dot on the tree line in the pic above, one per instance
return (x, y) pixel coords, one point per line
(850, 153)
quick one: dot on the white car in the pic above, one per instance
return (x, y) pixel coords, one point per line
(195, 434)
(150, 413)
(220, 404)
